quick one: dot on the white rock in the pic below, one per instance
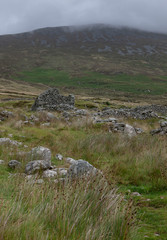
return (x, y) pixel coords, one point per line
(50, 116)
(49, 174)
(59, 157)
(62, 172)
(136, 194)
(45, 124)
(129, 130)
(2, 162)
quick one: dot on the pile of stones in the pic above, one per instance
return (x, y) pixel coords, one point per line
(51, 99)
(39, 164)
(115, 126)
(143, 112)
(162, 130)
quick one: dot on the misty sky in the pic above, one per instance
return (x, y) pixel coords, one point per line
(26, 15)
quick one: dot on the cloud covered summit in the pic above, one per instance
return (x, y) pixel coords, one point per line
(20, 15)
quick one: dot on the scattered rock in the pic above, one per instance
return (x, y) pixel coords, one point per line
(33, 118)
(62, 172)
(50, 116)
(8, 141)
(40, 153)
(117, 127)
(129, 130)
(52, 100)
(37, 165)
(2, 162)
(113, 120)
(49, 174)
(14, 164)
(46, 124)
(162, 130)
(136, 194)
(125, 128)
(139, 130)
(81, 168)
(59, 157)
(5, 114)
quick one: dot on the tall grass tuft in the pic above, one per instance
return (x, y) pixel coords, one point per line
(85, 210)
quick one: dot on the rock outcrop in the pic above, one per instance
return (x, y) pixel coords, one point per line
(51, 99)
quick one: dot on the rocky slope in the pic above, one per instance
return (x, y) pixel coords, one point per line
(100, 45)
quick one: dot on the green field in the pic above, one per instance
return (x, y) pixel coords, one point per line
(136, 84)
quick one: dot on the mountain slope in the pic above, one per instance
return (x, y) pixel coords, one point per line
(100, 49)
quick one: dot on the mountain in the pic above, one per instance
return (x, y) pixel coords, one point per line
(90, 38)
(97, 48)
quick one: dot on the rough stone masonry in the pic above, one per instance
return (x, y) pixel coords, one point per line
(51, 99)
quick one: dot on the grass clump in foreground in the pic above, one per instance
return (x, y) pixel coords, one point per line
(83, 210)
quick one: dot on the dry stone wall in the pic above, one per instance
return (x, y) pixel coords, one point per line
(51, 99)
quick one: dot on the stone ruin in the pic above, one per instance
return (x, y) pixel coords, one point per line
(51, 99)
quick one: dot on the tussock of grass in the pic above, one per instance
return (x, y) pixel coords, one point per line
(75, 210)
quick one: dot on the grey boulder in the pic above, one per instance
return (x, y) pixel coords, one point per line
(81, 168)
(129, 130)
(40, 153)
(14, 164)
(38, 165)
(49, 174)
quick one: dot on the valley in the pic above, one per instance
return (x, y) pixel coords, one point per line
(96, 170)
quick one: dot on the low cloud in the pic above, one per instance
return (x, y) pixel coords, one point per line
(20, 16)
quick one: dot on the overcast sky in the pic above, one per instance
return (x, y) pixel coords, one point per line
(26, 15)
